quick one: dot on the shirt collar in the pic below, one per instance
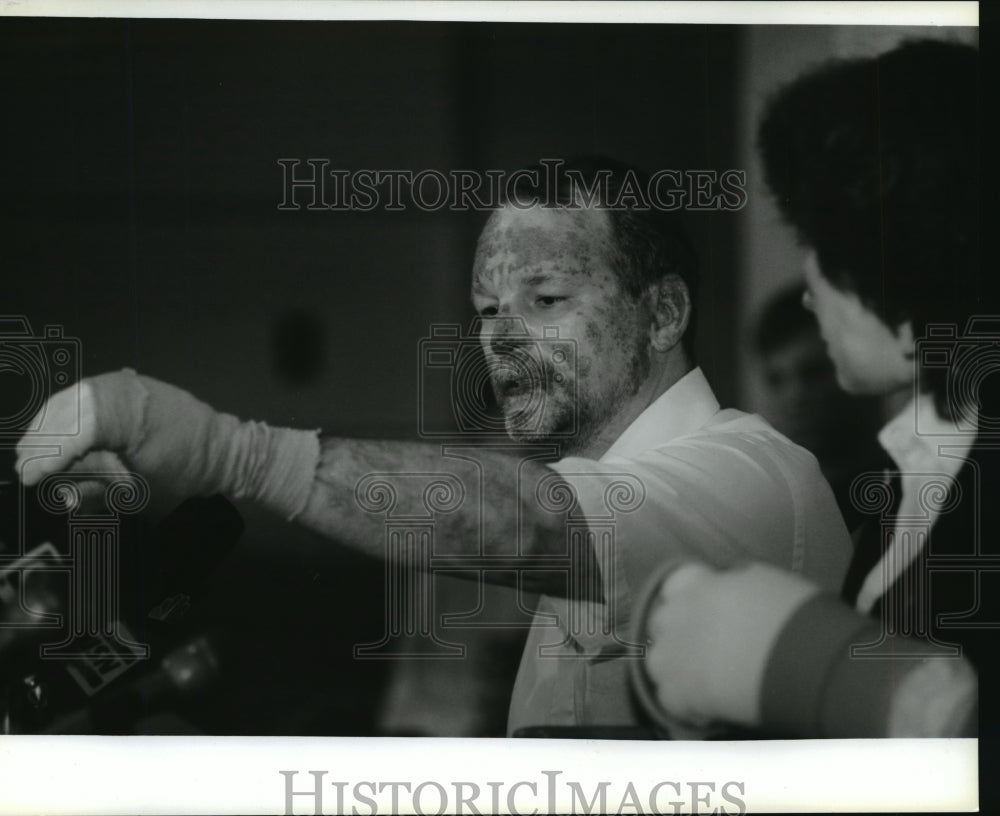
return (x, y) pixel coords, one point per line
(914, 438)
(683, 408)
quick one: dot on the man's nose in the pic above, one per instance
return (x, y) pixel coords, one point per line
(506, 333)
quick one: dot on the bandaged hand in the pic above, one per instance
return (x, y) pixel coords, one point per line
(181, 445)
(762, 648)
(710, 634)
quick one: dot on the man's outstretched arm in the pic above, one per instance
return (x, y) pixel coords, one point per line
(475, 524)
(183, 447)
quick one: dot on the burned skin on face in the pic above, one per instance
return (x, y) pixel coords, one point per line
(616, 336)
(536, 241)
(571, 251)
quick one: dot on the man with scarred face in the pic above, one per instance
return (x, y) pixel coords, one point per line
(651, 470)
(554, 267)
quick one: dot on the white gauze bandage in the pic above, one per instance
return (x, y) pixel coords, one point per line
(174, 439)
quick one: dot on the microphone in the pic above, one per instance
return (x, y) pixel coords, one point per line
(186, 672)
(24, 606)
(163, 569)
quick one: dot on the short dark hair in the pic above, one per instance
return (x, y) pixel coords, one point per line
(649, 242)
(875, 162)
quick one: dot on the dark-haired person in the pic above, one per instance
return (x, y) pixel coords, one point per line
(875, 163)
(596, 302)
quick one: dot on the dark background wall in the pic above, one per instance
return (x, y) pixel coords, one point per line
(141, 187)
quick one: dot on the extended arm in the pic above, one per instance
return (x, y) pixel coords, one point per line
(184, 448)
(791, 647)
(339, 506)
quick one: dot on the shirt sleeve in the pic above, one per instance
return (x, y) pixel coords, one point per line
(721, 498)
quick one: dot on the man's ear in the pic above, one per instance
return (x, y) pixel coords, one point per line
(670, 312)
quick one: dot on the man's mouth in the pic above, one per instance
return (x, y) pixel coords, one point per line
(508, 387)
(515, 379)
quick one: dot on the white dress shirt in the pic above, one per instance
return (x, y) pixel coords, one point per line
(685, 480)
(929, 451)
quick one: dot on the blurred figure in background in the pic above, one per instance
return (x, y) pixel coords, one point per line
(802, 400)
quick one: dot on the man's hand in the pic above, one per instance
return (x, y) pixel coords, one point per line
(182, 446)
(763, 648)
(710, 636)
(113, 419)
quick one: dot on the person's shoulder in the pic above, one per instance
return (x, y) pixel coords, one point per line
(732, 443)
(739, 428)
(733, 420)
(735, 441)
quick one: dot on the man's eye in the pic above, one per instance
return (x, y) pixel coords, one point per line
(488, 311)
(549, 300)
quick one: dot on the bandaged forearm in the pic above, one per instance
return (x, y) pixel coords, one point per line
(756, 647)
(177, 441)
(834, 673)
(184, 448)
